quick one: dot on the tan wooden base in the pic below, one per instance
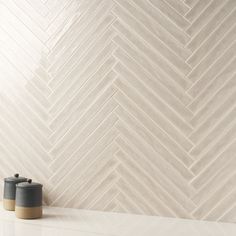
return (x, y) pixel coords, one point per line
(9, 205)
(28, 212)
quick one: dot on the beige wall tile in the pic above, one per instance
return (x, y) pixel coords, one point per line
(122, 105)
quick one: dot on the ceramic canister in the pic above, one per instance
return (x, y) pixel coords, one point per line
(29, 197)
(10, 191)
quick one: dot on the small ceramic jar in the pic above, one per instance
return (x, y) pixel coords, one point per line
(29, 197)
(10, 191)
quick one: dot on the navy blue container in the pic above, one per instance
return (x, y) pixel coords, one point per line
(29, 197)
(9, 194)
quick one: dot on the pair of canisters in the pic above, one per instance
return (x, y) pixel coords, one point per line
(23, 196)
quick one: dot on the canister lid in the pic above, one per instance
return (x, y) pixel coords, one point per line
(29, 184)
(16, 179)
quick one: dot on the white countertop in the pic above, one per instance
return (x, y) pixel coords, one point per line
(71, 222)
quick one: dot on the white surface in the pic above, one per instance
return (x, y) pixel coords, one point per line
(70, 222)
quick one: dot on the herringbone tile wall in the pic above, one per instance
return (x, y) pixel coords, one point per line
(124, 105)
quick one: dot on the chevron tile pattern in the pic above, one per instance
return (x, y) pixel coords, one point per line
(124, 105)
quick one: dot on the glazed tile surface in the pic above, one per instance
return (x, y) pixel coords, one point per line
(122, 106)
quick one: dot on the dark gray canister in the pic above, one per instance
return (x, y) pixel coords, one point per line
(29, 197)
(10, 191)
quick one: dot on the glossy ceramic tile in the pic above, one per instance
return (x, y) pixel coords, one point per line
(122, 105)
